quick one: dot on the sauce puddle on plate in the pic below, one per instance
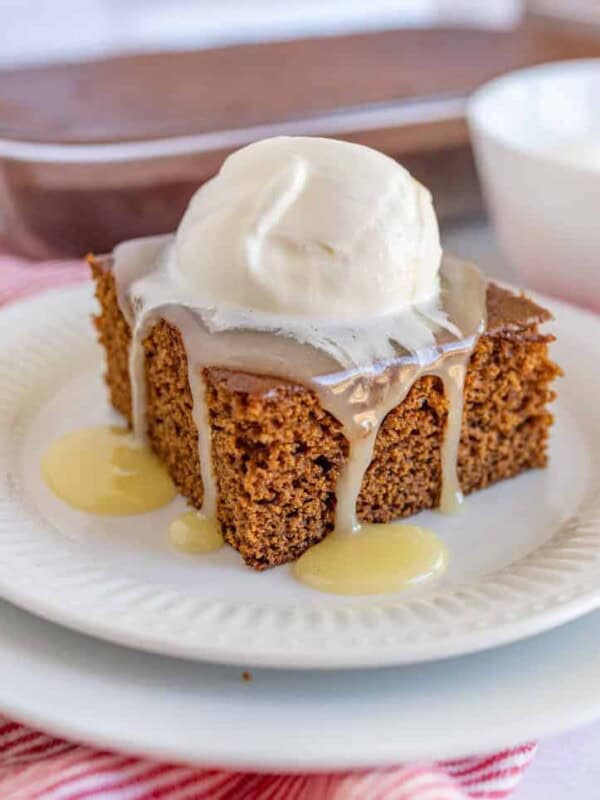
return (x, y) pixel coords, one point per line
(375, 559)
(106, 470)
(195, 534)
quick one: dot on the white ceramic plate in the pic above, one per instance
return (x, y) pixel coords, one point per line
(525, 555)
(289, 720)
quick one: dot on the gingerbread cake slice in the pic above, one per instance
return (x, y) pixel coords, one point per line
(277, 454)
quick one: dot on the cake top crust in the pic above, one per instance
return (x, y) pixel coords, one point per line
(510, 313)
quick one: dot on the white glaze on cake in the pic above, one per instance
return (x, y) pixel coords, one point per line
(359, 371)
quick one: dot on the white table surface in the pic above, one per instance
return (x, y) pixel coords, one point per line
(566, 767)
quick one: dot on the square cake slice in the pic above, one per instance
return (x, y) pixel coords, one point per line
(277, 454)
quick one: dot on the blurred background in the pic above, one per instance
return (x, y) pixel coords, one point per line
(112, 113)
(67, 30)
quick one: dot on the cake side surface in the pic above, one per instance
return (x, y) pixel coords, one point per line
(277, 454)
(114, 336)
(171, 429)
(277, 458)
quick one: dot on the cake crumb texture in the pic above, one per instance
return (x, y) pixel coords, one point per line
(277, 454)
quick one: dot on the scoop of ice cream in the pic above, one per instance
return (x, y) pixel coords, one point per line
(310, 228)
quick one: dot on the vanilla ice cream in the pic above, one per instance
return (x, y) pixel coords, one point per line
(309, 228)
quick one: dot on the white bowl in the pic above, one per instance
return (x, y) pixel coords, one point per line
(530, 129)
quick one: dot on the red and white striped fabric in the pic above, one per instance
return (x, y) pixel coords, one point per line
(36, 765)
(20, 278)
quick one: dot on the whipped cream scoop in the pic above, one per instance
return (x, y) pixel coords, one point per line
(309, 228)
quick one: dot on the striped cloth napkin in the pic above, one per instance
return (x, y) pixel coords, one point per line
(37, 765)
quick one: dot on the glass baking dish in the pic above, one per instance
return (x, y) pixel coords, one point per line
(100, 151)
(67, 199)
